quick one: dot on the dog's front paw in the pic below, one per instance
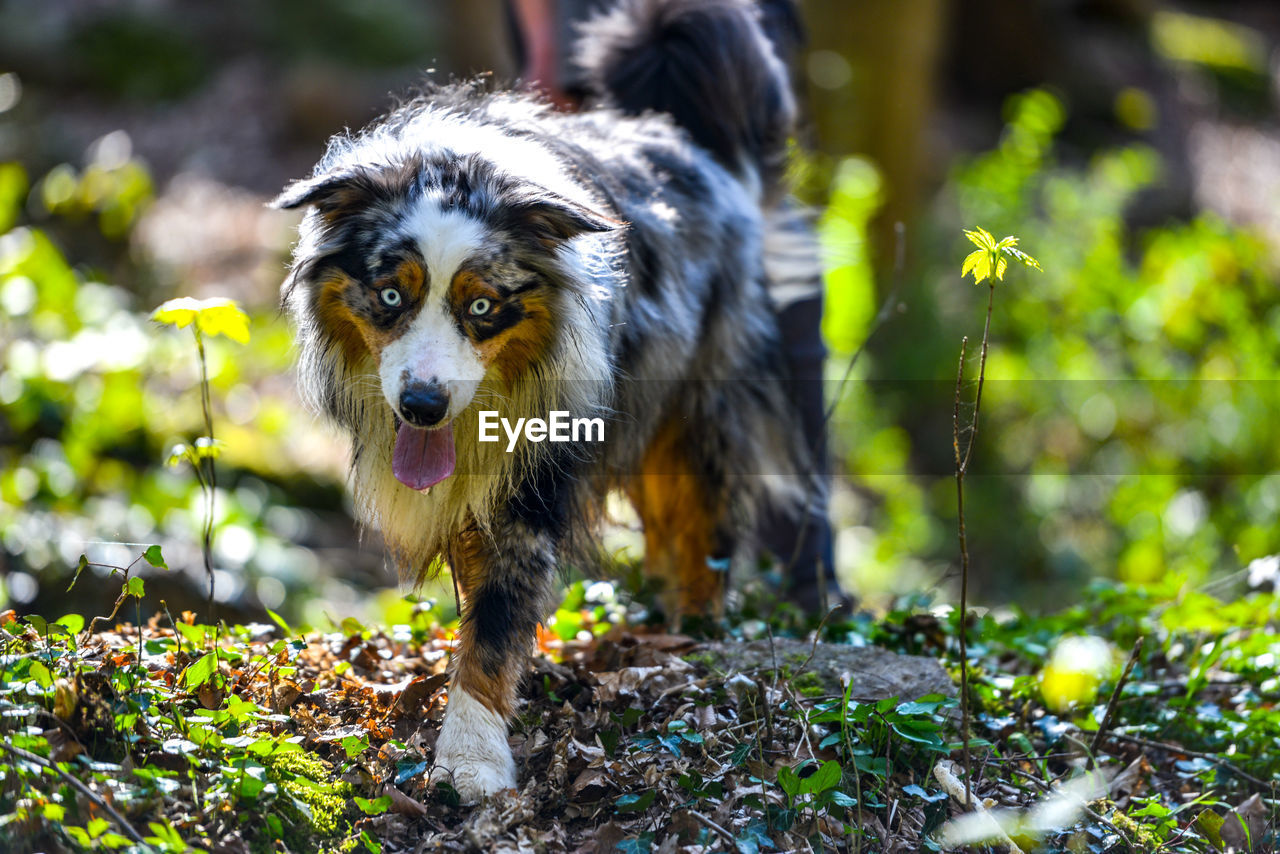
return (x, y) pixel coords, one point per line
(472, 754)
(473, 781)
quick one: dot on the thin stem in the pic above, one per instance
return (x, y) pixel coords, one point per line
(1115, 699)
(964, 577)
(982, 376)
(962, 468)
(210, 479)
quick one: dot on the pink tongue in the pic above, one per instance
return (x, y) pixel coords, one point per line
(423, 458)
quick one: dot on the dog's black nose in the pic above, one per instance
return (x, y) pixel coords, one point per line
(423, 404)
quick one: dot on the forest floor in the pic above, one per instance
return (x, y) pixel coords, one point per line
(266, 738)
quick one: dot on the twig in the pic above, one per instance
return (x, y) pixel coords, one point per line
(81, 788)
(724, 834)
(1115, 698)
(1195, 754)
(943, 773)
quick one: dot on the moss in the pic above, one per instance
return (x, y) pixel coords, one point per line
(701, 659)
(308, 780)
(809, 684)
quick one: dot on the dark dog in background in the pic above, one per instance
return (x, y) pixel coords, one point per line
(477, 251)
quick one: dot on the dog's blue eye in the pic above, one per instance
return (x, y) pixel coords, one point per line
(391, 297)
(480, 307)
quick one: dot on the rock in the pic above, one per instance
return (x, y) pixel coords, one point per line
(876, 673)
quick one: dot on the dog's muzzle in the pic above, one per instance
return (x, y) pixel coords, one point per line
(424, 404)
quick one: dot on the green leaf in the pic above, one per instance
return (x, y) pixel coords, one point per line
(1209, 823)
(923, 794)
(789, 781)
(38, 623)
(370, 844)
(635, 803)
(152, 556)
(377, 806)
(826, 777)
(354, 746)
(134, 587)
(80, 567)
(194, 634)
(41, 674)
(279, 621)
(926, 705)
(74, 623)
(641, 844)
(840, 799)
(201, 671)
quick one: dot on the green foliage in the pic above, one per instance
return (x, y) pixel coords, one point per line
(94, 400)
(1125, 412)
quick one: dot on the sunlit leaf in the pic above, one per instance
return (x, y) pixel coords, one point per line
(201, 671)
(218, 316)
(73, 622)
(377, 806)
(41, 674)
(152, 556)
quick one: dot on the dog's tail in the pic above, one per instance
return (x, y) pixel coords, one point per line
(709, 64)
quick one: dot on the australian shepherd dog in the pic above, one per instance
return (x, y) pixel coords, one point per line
(476, 251)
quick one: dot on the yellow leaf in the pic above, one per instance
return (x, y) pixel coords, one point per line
(212, 317)
(980, 238)
(1001, 266)
(971, 262)
(177, 312)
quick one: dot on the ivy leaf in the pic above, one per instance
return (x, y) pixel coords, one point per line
(641, 844)
(212, 317)
(134, 587)
(635, 803)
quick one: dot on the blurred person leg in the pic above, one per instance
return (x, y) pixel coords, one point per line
(793, 265)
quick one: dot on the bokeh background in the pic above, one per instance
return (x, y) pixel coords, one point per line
(1129, 427)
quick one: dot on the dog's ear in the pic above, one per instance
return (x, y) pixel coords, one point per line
(332, 192)
(551, 219)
